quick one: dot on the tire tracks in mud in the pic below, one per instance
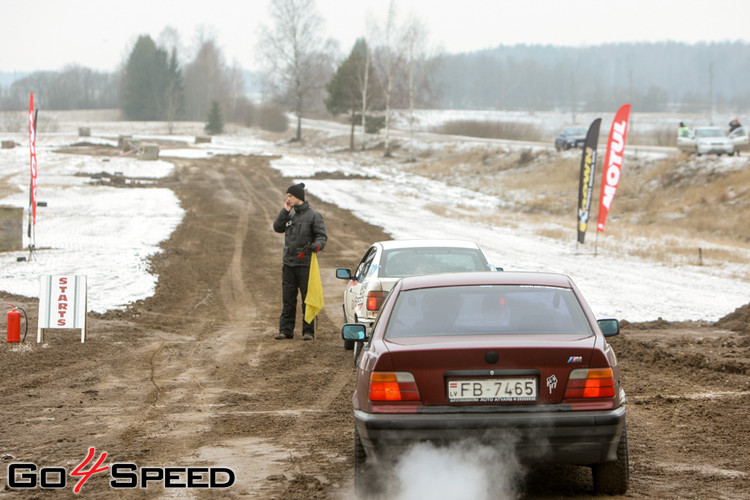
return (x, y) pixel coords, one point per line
(251, 397)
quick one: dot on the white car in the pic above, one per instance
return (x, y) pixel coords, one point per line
(386, 262)
(706, 140)
(740, 137)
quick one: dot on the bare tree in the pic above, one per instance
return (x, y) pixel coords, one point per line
(169, 40)
(422, 67)
(364, 89)
(387, 63)
(372, 95)
(297, 60)
(205, 81)
(414, 37)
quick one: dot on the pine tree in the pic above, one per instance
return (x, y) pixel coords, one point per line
(175, 92)
(145, 81)
(215, 123)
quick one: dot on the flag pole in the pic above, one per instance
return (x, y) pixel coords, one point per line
(33, 115)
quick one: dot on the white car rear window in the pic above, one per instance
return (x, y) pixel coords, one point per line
(402, 262)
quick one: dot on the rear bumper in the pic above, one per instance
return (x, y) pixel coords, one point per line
(575, 437)
(715, 148)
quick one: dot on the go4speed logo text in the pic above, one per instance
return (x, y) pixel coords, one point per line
(26, 475)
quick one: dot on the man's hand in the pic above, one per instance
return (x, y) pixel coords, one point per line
(302, 251)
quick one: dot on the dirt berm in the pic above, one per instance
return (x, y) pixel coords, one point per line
(192, 376)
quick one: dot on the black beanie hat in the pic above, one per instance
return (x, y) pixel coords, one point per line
(298, 191)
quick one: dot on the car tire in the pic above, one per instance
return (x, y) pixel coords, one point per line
(356, 350)
(612, 478)
(348, 344)
(362, 485)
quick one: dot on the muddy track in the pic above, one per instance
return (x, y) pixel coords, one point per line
(192, 375)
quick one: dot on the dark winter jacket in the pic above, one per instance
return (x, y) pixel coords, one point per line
(304, 231)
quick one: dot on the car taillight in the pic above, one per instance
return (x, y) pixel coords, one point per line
(590, 383)
(393, 386)
(375, 300)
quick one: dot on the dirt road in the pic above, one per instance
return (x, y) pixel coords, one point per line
(192, 377)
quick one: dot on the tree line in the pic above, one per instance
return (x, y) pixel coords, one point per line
(664, 76)
(392, 66)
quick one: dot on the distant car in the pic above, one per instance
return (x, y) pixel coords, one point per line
(706, 140)
(740, 139)
(570, 137)
(493, 358)
(386, 262)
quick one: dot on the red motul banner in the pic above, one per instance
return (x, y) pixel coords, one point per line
(32, 150)
(612, 166)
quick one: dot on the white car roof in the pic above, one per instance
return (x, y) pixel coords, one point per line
(391, 244)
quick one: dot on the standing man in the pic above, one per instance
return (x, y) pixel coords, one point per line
(304, 233)
(683, 131)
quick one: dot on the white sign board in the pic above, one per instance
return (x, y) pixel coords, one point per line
(62, 304)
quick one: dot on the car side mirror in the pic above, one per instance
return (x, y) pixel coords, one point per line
(609, 327)
(498, 268)
(344, 273)
(356, 332)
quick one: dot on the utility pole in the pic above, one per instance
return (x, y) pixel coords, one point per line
(711, 93)
(573, 96)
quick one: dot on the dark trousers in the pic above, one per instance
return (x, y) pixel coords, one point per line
(294, 278)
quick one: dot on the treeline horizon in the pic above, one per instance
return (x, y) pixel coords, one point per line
(653, 77)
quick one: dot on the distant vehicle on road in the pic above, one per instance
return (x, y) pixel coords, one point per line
(706, 140)
(570, 137)
(740, 138)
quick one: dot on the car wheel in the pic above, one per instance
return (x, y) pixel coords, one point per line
(357, 349)
(348, 344)
(362, 484)
(612, 478)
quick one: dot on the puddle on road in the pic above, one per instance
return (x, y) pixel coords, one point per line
(253, 461)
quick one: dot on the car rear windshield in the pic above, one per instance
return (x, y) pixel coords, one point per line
(402, 262)
(486, 310)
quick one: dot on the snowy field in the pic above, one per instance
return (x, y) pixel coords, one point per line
(109, 234)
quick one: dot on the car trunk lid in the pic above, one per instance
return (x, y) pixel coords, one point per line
(437, 362)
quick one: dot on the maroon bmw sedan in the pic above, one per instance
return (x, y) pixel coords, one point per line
(493, 358)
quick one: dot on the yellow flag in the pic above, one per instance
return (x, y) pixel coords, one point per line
(314, 297)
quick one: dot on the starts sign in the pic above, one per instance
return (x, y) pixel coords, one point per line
(62, 304)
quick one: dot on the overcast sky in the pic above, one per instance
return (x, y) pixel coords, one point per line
(50, 34)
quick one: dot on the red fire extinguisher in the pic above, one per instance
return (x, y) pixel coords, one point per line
(14, 323)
